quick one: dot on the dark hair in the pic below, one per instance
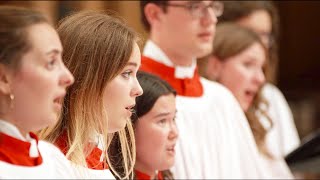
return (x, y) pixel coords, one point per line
(161, 3)
(14, 42)
(235, 10)
(153, 88)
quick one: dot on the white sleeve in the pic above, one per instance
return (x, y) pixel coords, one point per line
(282, 118)
(53, 158)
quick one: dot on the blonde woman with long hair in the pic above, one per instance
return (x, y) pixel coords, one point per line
(101, 52)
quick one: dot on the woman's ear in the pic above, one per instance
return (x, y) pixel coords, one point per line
(214, 68)
(152, 13)
(5, 75)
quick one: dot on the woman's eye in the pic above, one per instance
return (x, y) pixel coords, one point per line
(174, 119)
(162, 121)
(51, 64)
(126, 74)
(248, 64)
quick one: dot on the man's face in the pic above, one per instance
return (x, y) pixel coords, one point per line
(187, 30)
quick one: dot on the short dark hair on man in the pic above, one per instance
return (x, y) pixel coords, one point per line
(162, 4)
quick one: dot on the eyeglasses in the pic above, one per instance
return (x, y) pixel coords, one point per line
(199, 10)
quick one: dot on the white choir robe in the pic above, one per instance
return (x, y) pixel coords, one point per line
(215, 140)
(55, 168)
(54, 164)
(87, 173)
(283, 138)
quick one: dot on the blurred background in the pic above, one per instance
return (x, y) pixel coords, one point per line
(299, 61)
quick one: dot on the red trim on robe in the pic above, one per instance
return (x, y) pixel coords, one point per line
(185, 87)
(142, 176)
(93, 159)
(16, 151)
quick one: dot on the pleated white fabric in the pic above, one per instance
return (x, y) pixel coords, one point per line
(86, 173)
(283, 138)
(215, 140)
(54, 166)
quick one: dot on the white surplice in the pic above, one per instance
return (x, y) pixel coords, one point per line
(215, 140)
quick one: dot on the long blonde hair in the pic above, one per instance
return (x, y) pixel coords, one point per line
(231, 39)
(97, 47)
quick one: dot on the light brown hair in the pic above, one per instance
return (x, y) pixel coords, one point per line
(230, 40)
(235, 10)
(97, 47)
(14, 42)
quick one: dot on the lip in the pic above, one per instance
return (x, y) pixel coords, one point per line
(129, 113)
(130, 109)
(206, 36)
(249, 95)
(57, 107)
(251, 92)
(130, 106)
(171, 149)
(58, 101)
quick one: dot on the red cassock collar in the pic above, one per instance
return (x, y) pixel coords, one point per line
(185, 87)
(142, 176)
(93, 159)
(16, 151)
